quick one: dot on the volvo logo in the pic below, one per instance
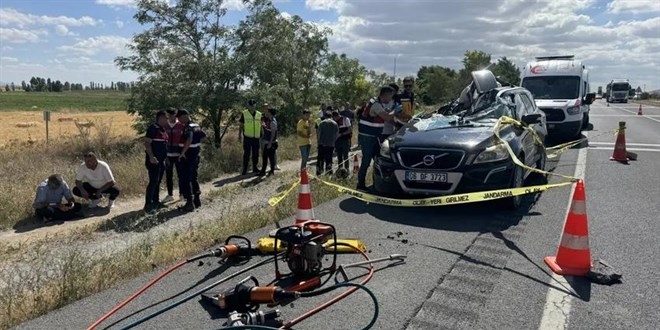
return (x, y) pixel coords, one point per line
(429, 160)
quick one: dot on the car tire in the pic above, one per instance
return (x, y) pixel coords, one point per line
(585, 120)
(517, 181)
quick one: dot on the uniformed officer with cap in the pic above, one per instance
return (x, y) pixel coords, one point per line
(192, 137)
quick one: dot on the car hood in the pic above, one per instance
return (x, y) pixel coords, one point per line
(444, 131)
(556, 103)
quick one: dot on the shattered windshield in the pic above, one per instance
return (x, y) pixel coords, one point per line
(488, 110)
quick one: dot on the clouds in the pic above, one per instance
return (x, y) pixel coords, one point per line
(107, 44)
(426, 32)
(14, 18)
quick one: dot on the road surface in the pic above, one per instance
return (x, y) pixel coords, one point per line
(468, 267)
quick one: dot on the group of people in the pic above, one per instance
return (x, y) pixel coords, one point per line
(94, 179)
(173, 142)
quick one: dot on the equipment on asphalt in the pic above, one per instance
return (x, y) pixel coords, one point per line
(267, 245)
(620, 154)
(305, 212)
(305, 249)
(243, 298)
(573, 255)
(252, 318)
(639, 111)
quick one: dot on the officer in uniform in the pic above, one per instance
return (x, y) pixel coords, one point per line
(189, 160)
(155, 149)
(250, 132)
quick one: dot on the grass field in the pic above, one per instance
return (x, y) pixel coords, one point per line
(28, 126)
(64, 101)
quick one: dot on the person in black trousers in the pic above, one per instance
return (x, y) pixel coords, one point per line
(155, 145)
(269, 139)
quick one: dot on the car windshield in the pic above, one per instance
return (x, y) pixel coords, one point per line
(489, 109)
(620, 87)
(553, 87)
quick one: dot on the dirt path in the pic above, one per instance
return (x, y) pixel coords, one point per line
(126, 210)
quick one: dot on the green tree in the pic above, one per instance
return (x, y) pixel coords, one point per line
(184, 59)
(282, 57)
(436, 84)
(344, 79)
(507, 71)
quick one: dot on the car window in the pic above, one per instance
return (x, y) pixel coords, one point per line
(529, 105)
(521, 108)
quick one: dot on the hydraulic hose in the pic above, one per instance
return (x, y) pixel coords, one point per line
(339, 297)
(221, 252)
(195, 294)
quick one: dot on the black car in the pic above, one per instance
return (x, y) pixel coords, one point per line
(456, 151)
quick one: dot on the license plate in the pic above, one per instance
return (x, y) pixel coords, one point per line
(426, 177)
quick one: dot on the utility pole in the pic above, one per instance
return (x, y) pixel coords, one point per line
(394, 73)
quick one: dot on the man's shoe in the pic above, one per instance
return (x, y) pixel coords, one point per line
(188, 207)
(168, 198)
(361, 187)
(197, 202)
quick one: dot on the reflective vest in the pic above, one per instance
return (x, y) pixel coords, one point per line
(251, 124)
(343, 128)
(175, 142)
(197, 136)
(368, 125)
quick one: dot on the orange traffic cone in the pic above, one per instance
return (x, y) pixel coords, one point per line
(639, 111)
(356, 164)
(573, 255)
(620, 154)
(305, 212)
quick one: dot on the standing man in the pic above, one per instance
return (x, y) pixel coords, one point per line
(370, 129)
(193, 136)
(249, 132)
(269, 140)
(407, 101)
(174, 130)
(343, 143)
(48, 200)
(327, 136)
(155, 148)
(94, 179)
(390, 125)
(304, 132)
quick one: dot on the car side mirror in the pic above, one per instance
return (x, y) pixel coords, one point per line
(589, 99)
(530, 119)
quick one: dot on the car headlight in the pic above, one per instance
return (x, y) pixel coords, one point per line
(385, 149)
(492, 154)
(573, 110)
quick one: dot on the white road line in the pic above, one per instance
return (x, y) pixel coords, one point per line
(627, 144)
(635, 113)
(628, 149)
(613, 115)
(557, 307)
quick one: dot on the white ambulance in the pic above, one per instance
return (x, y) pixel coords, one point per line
(560, 86)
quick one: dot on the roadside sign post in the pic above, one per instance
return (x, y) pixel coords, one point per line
(46, 119)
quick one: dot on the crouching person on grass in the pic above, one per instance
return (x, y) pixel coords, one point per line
(48, 201)
(94, 179)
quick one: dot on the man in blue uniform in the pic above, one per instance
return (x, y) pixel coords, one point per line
(155, 145)
(193, 136)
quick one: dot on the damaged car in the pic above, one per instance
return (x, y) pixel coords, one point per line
(455, 150)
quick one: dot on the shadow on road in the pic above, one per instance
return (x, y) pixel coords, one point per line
(31, 222)
(138, 221)
(226, 181)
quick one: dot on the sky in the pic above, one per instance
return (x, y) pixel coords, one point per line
(77, 40)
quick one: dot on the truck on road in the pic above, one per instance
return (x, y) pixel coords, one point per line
(617, 90)
(560, 86)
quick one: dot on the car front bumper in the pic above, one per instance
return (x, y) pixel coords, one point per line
(567, 128)
(389, 178)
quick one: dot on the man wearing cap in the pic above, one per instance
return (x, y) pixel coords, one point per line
(193, 136)
(304, 133)
(327, 136)
(48, 200)
(269, 140)
(250, 132)
(174, 130)
(155, 148)
(343, 143)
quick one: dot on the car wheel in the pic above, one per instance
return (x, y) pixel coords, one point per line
(517, 180)
(585, 120)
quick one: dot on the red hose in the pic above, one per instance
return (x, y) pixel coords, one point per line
(333, 300)
(137, 293)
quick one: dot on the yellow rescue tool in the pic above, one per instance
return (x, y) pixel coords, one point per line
(267, 244)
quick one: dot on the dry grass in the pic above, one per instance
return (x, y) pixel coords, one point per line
(29, 126)
(36, 290)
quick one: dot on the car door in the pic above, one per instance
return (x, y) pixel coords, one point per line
(539, 128)
(527, 142)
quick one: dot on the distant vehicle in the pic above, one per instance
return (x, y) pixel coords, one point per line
(560, 86)
(618, 90)
(455, 150)
(599, 95)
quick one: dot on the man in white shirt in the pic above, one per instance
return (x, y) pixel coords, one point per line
(93, 179)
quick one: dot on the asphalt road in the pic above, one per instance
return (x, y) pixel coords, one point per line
(468, 267)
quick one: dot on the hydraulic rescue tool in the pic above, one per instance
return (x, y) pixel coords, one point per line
(243, 298)
(252, 318)
(304, 249)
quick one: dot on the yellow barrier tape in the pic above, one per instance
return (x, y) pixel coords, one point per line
(279, 197)
(445, 200)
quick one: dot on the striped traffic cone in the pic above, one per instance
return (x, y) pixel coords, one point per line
(356, 164)
(639, 111)
(305, 212)
(620, 154)
(573, 255)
